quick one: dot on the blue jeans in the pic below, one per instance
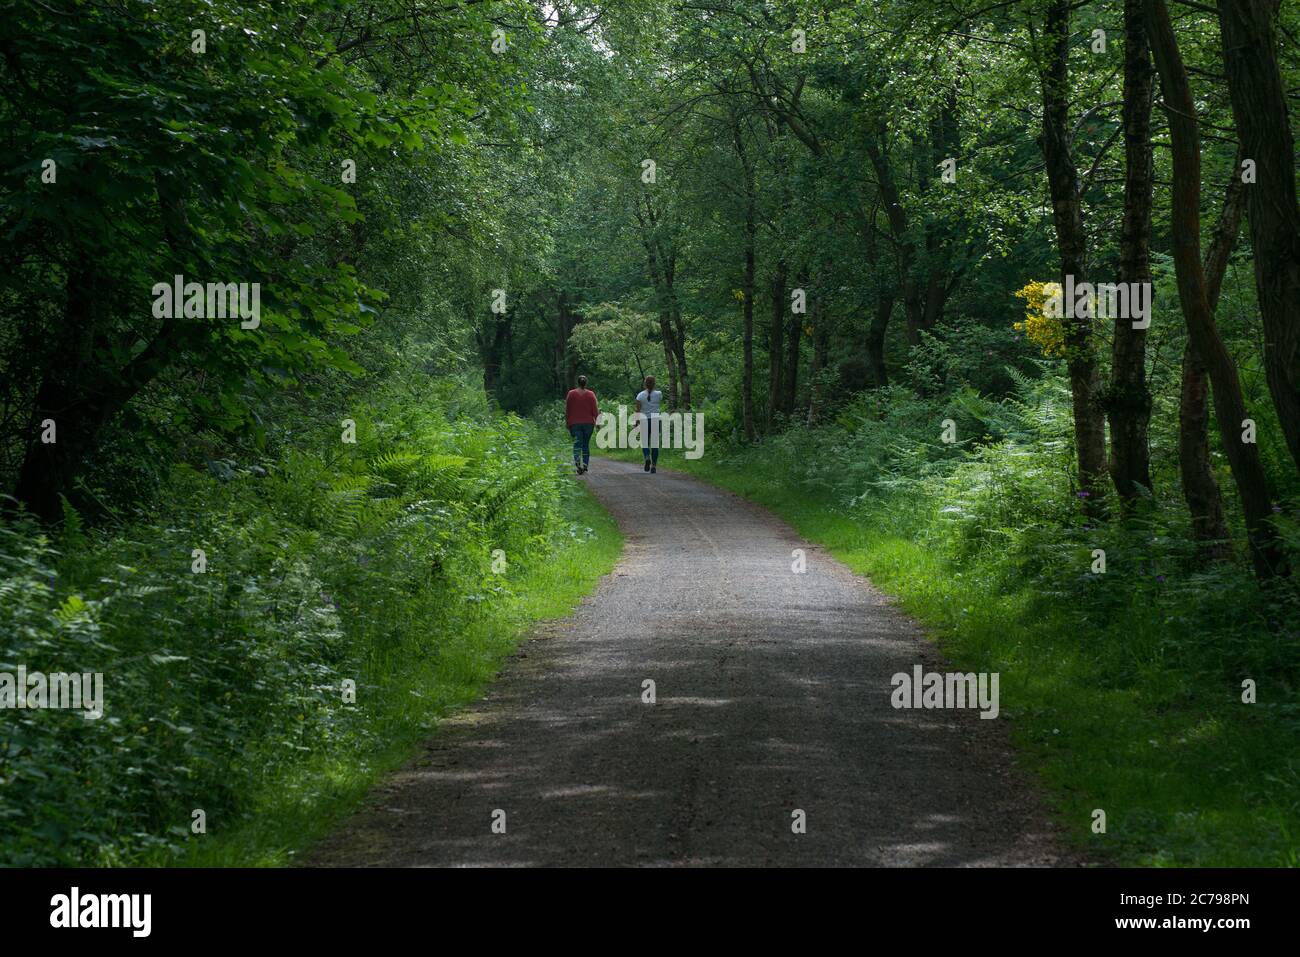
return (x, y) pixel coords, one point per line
(581, 442)
(650, 440)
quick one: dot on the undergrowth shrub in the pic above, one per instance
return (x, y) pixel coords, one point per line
(999, 505)
(331, 561)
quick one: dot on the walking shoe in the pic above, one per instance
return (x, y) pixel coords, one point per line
(652, 470)
(647, 465)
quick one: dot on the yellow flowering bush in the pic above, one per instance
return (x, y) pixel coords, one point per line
(1046, 332)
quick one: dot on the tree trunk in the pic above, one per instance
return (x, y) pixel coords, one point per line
(945, 143)
(876, 338)
(671, 321)
(1195, 467)
(776, 345)
(1128, 399)
(874, 346)
(565, 362)
(747, 284)
(492, 347)
(679, 345)
(1200, 489)
(1229, 406)
(660, 265)
(936, 295)
(1067, 215)
(747, 289)
(670, 360)
(820, 342)
(1260, 110)
(82, 402)
(897, 217)
(793, 342)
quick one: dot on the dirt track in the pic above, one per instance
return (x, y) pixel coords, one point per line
(773, 694)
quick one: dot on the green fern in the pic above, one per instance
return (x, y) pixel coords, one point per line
(496, 498)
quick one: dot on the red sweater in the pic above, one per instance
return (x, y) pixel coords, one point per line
(580, 408)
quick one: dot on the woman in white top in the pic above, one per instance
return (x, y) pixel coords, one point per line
(647, 403)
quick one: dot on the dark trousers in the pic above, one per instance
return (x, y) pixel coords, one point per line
(581, 442)
(650, 440)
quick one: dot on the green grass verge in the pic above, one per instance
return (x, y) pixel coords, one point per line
(1185, 773)
(292, 813)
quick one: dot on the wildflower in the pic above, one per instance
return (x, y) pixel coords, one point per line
(1044, 331)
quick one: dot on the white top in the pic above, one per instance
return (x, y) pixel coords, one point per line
(650, 401)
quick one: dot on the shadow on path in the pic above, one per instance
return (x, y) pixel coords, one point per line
(773, 694)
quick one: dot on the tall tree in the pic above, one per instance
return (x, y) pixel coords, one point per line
(776, 342)
(1260, 109)
(661, 259)
(1195, 467)
(747, 289)
(1128, 400)
(1053, 54)
(1229, 405)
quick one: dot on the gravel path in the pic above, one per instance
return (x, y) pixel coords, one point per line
(772, 695)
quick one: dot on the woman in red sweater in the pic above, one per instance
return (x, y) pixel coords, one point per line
(580, 414)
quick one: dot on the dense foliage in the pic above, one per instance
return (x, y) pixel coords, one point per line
(831, 225)
(318, 568)
(235, 518)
